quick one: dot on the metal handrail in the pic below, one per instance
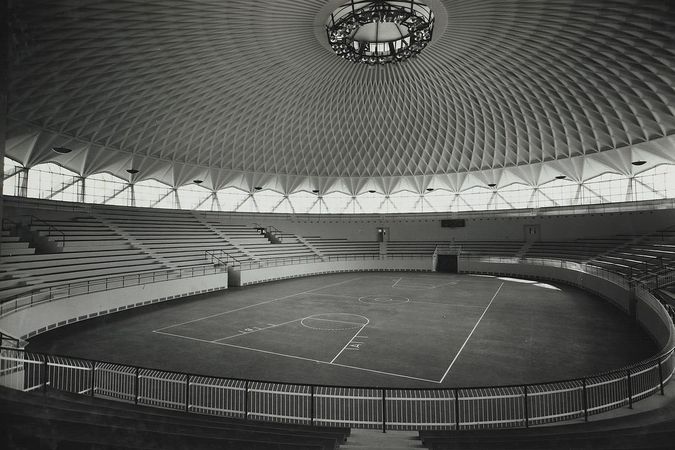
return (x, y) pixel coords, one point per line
(291, 260)
(6, 338)
(57, 292)
(50, 228)
(532, 403)
(50, 371)
(222, 257)
(270, 229)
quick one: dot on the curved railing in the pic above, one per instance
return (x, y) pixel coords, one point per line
(61, 291)
(455, 408)
(291, 260)
(359, 407)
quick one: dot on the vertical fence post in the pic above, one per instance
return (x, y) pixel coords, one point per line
(585, 400)
(311, 407)
(526, 410)
(246, 400)
(661, 376)
(384, 410)
(136, 379)
(92, 379)
(629, 386)
(187, 393)
(456, 409)
(45, 374)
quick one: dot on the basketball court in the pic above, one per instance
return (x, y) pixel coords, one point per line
(398, 329)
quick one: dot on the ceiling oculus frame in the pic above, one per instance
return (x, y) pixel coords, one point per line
(379, 32)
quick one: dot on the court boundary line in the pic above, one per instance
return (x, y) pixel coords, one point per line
(350, 341)
(471, 333)
(255, 304)
(381, 372)
(259, 329)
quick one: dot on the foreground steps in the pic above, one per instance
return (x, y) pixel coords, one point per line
(69, 421)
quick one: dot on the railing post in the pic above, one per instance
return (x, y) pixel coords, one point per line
(456, 409)
(136, 386)
(246, 401)
(585, 400)
(384, 410)
(187, 393)
(661, 376)
(92, 379)
(45, 374)
(311, 406)
(629, 386)
(526, 410)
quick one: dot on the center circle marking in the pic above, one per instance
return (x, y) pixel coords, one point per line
(334, 321)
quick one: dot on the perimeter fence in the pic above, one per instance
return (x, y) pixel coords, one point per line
(356, 407)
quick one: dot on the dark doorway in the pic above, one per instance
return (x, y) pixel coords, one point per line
(446, 263)
(383, 235)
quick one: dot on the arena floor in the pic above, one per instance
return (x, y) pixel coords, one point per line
(370, 329)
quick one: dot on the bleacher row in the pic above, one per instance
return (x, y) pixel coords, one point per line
(65, 421)
(99, 241)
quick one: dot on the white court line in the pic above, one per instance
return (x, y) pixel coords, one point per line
(332, 320)
(333, 295)
(255, 304)
(445, 304)
(385, 373)
(259, 329)
(349, 342)
(470, 334)
(297, 357)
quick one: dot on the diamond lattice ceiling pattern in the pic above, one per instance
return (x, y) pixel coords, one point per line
(242, 93)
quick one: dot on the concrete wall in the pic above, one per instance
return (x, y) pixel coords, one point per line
(28, 322)
(246, 277)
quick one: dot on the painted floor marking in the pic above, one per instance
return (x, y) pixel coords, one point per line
(350, 341)
(471, 333)
(333, 295)
(397, 281)
(333, 320)
(298, 357)
(256, 330)
(255, 304)
(461, 305)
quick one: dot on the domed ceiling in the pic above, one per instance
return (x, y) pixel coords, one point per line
(248, 93)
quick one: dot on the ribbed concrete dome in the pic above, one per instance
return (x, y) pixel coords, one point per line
(242, 93)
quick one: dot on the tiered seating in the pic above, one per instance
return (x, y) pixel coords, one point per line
(407, 248)
(641, 257)
(67, 421)
(577, 250)
(89, 250)
(12, 245)
(173, 235)
(289, 247)
(653, 430)
(481, 248)
(254, 242)
(241, 234)
(344, 247)
(490, 248)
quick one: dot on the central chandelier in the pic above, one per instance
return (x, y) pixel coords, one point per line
(379, 32)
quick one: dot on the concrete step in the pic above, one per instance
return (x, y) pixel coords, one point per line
(6, 252)
(377, 440)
